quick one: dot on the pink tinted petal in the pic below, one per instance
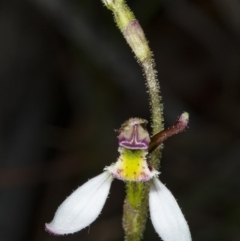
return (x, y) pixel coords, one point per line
(166, 216)
(82, 207)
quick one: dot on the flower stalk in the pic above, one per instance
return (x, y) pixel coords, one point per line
(135, 37)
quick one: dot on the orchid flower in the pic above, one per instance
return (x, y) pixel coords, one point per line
(84, 205)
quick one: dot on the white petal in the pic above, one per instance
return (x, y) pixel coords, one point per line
(82, 207)
(167, 217)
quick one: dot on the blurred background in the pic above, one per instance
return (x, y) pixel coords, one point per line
(68, 79)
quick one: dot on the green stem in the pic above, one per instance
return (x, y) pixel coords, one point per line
(136, 202)
(135, 210)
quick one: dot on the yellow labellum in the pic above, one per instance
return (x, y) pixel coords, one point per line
(132, 166)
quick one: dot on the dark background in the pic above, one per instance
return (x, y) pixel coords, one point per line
(68, 79)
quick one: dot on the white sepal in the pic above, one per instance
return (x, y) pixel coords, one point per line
(166, 216)
(82, 207)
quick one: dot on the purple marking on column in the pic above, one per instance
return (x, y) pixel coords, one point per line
(133, 135)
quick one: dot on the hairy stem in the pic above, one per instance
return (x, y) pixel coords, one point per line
(136, 202)
(135, 210)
